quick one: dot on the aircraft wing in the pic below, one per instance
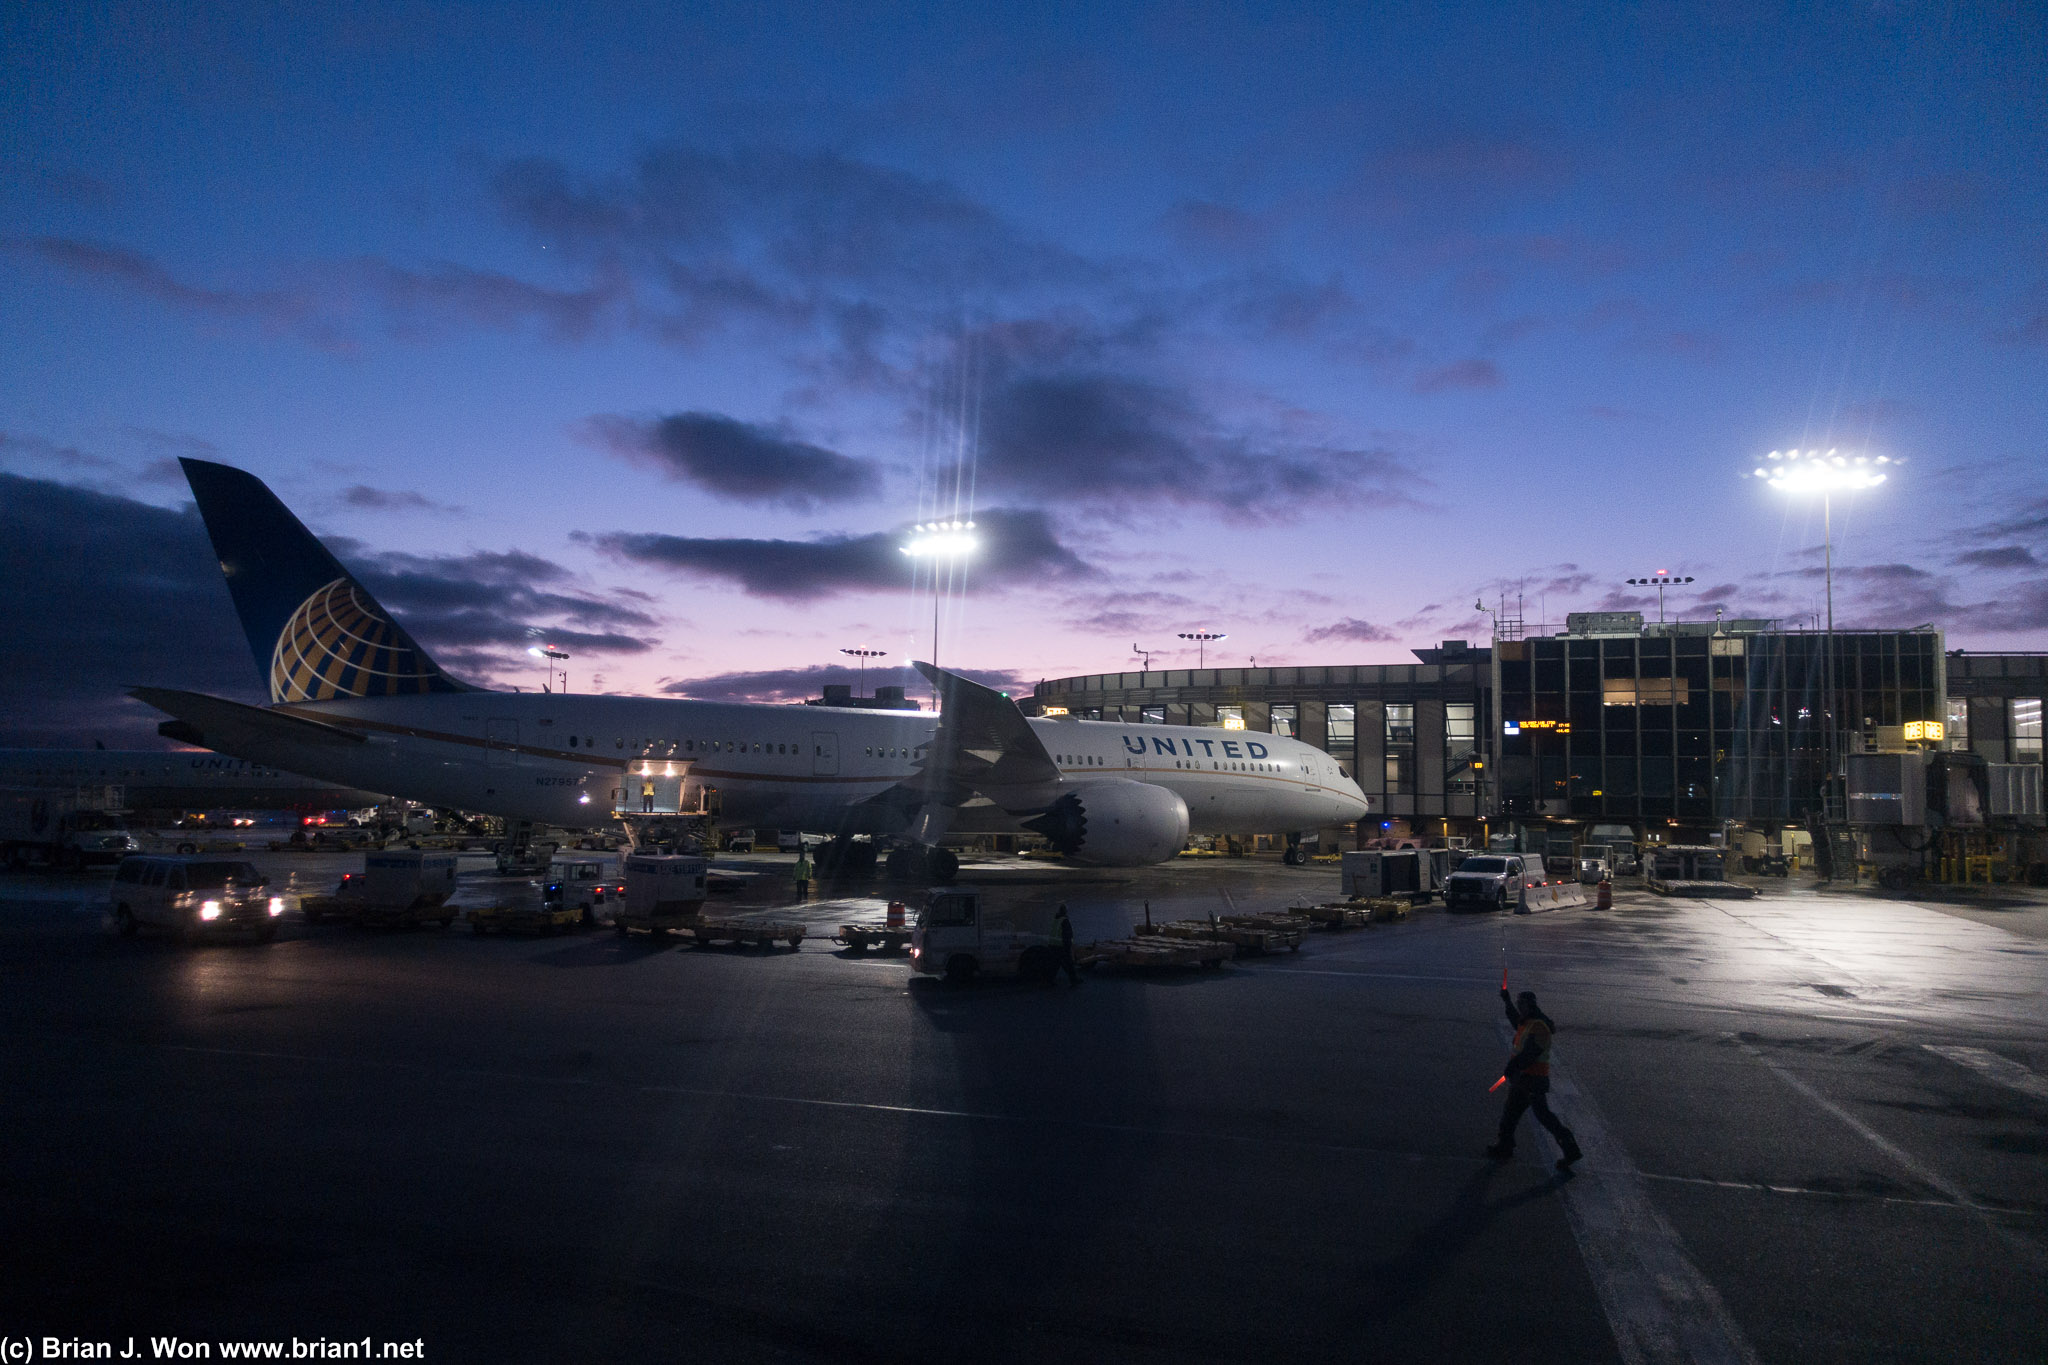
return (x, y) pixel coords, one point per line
(984, 744)
(256, 733)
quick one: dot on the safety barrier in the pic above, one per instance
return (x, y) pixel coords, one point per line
(1551, 895)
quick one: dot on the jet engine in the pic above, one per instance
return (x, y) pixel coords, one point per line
(1116, 823)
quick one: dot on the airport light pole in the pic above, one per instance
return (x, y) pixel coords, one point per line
(1826, 473)
(553, 656)
(941, 542)
(864, 655)
(1659, 580)
(1140, 652)
(1202, 639)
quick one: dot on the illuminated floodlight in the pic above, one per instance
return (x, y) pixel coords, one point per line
(941, 540)
(1823, 471)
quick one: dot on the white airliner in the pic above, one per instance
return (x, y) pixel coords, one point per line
(167, 779)
(354, 700)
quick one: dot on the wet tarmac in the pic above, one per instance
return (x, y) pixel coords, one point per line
(1815, 1126)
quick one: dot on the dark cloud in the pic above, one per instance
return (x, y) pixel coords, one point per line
(1350, 629)
(1475, 373)
(295, 312)
(478, 612)
(1017, 546)
(740, 460)
(325, 303)
(104, 592)
(387, 500)
(802, 684)
(1063, 420)
(2000, 557)
(812, 218)
(37, 450)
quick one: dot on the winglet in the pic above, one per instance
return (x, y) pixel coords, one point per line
(983, 741)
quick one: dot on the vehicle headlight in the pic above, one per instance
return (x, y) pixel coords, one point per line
(209, 910)
(277, 905)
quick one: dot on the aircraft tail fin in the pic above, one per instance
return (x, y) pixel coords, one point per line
(316, 632)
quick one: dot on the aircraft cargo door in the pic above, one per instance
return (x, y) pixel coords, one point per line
(824, 753)
(501, 743)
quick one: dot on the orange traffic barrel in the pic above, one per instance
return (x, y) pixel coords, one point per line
(1605, 898)
(895, 914)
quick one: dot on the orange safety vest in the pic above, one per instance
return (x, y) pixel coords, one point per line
(1540, 1031)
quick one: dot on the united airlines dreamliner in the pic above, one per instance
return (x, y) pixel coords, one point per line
(355, 700)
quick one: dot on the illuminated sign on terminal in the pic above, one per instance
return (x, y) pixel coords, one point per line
(1516, 727)
(1927, 730)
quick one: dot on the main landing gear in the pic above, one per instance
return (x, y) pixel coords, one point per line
(922, 863)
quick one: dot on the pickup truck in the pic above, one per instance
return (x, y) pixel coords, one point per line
(1491, 881)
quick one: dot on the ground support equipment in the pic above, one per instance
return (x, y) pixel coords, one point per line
(523, 919)
(1335, 914)
(861, 937)
(1720, 891)
(1155, 953)
(1246, 939)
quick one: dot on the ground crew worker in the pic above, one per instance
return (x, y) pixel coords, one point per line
(1064, 927)
(803, 873)
(1528, 1074)
(647, 797)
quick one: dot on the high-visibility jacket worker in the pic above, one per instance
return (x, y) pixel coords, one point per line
(1528, 1077)
(646, 796)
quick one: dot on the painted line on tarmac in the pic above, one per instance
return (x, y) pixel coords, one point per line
(1904, 1159)
(1849, 1196)
(1993, 1067)
(1661, 1308)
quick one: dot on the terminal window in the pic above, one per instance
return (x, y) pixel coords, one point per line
(1400, 748)
(1645, 692)
(2026, 729)
(1154, 715)
(1286, 720)
(1343, 717)
(1461, 746)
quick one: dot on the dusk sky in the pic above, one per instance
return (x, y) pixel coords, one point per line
(650, 331)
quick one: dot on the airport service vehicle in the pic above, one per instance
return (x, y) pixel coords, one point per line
(354, 699)
(1492, 881)
(533, 909)
(951, 940)
(396, 887)
(195, 897)
(584, 886)
(62, 831)
(665, 894)
(1414, 873)
(1620, 843)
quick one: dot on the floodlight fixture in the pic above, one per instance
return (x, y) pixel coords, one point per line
(1202, 639)
(1659, 580)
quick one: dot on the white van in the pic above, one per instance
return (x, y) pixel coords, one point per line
(194, 896)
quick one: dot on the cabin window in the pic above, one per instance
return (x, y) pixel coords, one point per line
(572, 741)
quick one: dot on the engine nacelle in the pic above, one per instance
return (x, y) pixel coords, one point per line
(1116, 823)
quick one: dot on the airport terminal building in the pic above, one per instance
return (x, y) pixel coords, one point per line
(1675, 726)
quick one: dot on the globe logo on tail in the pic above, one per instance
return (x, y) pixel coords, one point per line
(338, 644)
